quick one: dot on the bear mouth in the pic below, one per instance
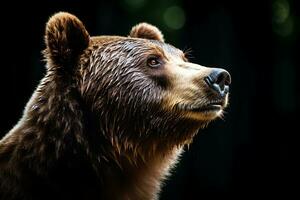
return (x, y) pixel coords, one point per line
(213, 106)
(208, 108)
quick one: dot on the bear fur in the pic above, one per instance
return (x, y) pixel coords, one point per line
(109, 119)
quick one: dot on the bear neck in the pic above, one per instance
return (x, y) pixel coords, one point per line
(141, 152)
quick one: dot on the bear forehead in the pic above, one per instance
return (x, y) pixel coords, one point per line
(136, 44)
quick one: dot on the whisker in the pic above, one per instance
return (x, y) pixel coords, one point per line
(188, 53)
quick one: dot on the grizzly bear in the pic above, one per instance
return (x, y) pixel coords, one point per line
(110, 118)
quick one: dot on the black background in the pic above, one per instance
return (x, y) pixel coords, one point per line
(254, 150)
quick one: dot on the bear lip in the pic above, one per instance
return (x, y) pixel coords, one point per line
(213, 106)
(208, 108)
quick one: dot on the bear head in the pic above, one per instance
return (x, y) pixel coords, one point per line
(140, 93)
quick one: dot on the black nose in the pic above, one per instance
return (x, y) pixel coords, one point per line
(219, 80)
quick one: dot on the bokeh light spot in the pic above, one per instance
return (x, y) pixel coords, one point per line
(174, 17)
(281, 11)
(283, 24)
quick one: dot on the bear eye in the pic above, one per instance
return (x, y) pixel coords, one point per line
(153, 61)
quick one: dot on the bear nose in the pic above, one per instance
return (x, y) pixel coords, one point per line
(219, 80)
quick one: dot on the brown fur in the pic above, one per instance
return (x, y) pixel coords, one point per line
(147, 31)
(102, 124)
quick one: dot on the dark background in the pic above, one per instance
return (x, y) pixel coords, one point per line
(254, 150)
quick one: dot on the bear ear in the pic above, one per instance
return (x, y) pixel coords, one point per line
(66, 38)
(147, 31)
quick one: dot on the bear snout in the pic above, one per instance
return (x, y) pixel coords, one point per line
(218, 81)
